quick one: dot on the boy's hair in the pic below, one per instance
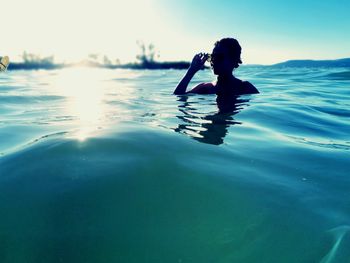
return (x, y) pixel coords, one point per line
(233, 48)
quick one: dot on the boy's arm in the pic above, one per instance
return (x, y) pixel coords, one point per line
(196, 64)
(182, 86)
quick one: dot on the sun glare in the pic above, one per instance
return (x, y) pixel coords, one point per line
(94, 98)
(71, 30)
(84, 94)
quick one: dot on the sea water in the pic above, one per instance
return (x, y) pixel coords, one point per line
(101, 165)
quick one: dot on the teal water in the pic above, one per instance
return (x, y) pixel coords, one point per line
(107, 166)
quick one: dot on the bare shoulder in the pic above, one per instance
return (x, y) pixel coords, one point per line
(203, 88)
(249, 88)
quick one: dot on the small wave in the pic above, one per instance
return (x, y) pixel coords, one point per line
(52, 135)
(345, 75)
(328, 145)
(338, 233)
(338, 112)
(28, 99)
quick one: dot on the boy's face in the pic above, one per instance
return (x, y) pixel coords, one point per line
(221, 62)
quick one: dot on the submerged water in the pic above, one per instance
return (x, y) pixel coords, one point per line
(107, 166)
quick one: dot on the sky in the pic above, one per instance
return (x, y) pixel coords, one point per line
(269, 31)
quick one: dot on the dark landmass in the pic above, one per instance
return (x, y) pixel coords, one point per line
(345, 62)
(33, 62)
(152, 65)
(33, 66)
(145, 60)
(145, 63)
(49, 66)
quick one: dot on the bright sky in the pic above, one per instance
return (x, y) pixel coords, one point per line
(269, 31)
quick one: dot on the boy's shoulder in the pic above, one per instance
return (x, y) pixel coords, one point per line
(249, 88)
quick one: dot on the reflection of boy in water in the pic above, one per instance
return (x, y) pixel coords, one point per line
(211, 128)
(225, 58)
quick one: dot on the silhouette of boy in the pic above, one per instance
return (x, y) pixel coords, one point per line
(226, 56)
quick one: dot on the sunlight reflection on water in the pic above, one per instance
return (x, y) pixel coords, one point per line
(86, 91)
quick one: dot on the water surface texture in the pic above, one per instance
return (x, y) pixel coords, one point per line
(108, 166)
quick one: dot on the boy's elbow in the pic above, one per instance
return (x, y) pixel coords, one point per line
(251, 88)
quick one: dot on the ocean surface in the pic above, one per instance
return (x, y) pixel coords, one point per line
(102, 165)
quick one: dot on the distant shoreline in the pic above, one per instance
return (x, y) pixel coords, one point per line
(51, 66)
(154, 65)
